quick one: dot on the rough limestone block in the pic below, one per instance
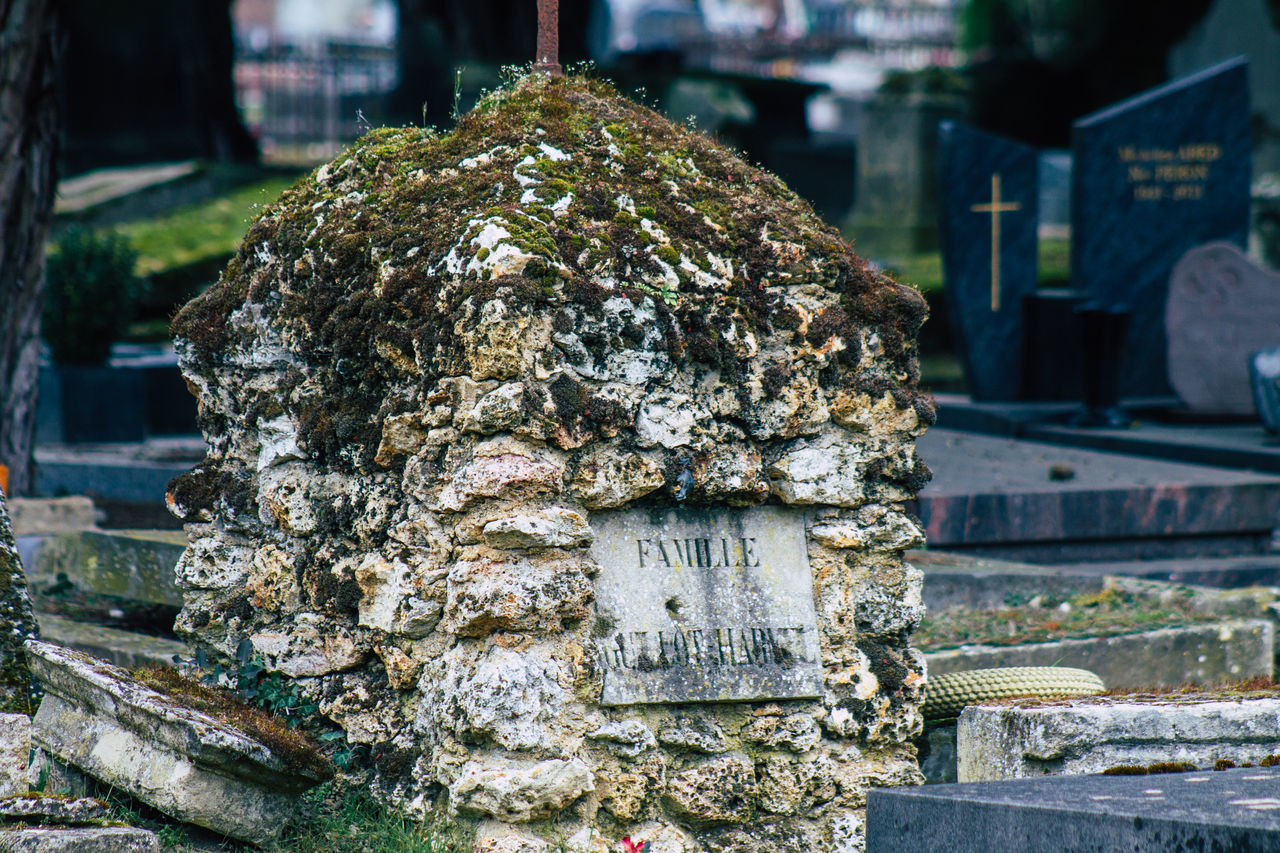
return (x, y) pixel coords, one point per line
(1091, 735)
(113, 839)
(183, 762)
(15, 749)
(519, 791)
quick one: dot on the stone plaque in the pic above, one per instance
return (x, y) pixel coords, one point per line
(705, 606)
(1154, 176)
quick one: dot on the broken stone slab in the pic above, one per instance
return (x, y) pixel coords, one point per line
(1090, 735)
(134, 564)
(104, 839)
(31, 808)
(1169, 657)
(183, 762)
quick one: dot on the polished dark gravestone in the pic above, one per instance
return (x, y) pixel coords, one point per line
(1236, 810)
(1154, 176)
(988, 189)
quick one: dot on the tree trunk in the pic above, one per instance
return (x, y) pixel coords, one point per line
(28, 154)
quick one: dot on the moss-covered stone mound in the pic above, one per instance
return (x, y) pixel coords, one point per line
(554, 197)
(439, 357)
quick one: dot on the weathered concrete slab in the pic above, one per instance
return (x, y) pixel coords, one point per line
(125, 649)
(42, 516)
(133, 564)
(1008, 497)
(183, 762)
(1233, 810)
(15, 749)
(1077, 736)
(1169, 657)
(706, 606)
(112, 839)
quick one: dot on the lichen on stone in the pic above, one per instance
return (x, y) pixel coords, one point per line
(439, 355)
(17, 624)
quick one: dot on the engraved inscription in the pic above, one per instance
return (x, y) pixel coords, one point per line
(706, 605)
(1178, 173)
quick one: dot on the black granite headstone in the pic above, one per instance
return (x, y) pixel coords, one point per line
(988, 189)
(1236, 810)
(1154, 176)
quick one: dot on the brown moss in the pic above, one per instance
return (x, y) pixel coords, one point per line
(297, 750)
(336, 269)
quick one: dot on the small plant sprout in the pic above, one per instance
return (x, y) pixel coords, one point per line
(456, 113)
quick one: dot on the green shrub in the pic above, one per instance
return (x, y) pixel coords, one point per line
(91, 291)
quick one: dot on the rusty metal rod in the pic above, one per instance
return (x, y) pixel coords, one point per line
(548, 58)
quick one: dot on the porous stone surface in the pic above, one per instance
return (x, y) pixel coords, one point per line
(1077, 737)
(105, 839)
(15, 750)
(432, 364)
(183, 762)
(17, 622)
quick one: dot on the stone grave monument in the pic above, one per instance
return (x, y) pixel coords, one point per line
(1222, 308)
(988, 191)
(1154, 176)
(563, 460)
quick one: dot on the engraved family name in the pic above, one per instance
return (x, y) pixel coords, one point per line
(705, 606)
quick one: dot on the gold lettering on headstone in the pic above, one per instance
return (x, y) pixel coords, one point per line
(995, 207)
(1169, 174)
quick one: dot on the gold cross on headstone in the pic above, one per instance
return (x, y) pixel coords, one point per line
(995, 208)
(548, 58)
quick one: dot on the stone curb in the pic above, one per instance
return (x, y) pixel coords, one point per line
(1078, 737)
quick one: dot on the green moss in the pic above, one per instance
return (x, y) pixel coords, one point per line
(331, 262)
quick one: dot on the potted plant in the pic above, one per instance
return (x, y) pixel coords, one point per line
(91, 290)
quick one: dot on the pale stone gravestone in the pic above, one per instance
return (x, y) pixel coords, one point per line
(563, 459)
(1154, 176)
(1222, 308)
(988, 193)
(1227, 810)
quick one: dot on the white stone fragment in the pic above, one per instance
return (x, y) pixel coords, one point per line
(627, 738)
(311, 645)
(553, 528)
(279, 442)
(519, 791)
(667, 420)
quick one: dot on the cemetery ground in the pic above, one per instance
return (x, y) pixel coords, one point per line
(1044, 550)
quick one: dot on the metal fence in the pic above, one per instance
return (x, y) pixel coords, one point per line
(304, 104)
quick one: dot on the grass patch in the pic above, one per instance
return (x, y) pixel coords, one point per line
(332, 819)
(1098, 614)
(213, 227)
